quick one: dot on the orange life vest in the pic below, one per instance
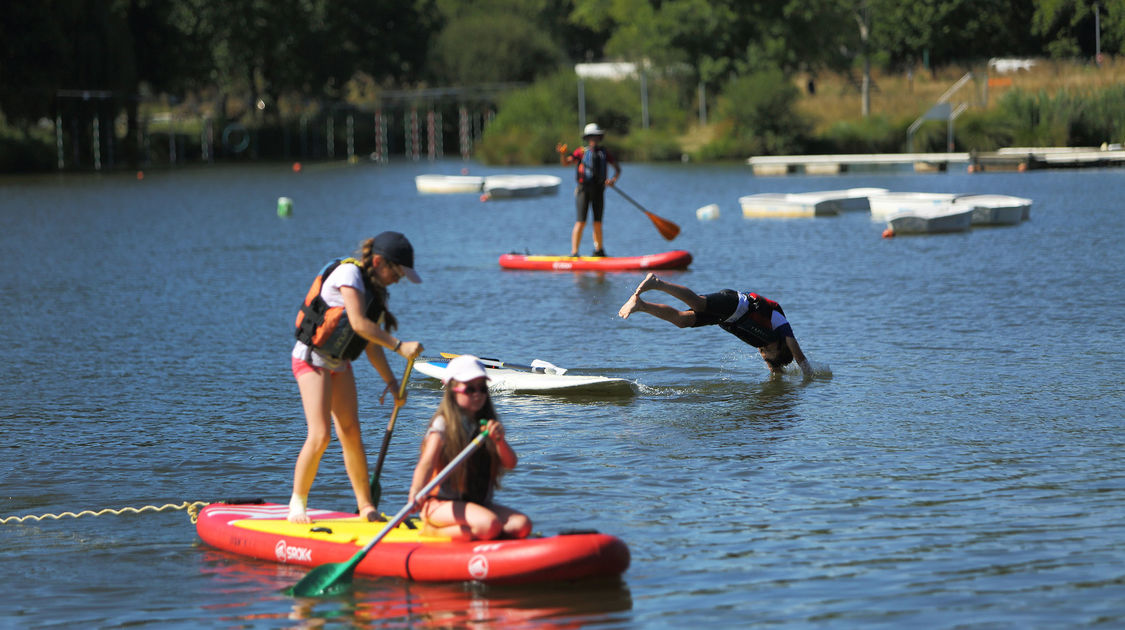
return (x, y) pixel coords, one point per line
(326, 328)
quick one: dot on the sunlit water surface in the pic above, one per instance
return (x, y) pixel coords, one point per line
(956, 461)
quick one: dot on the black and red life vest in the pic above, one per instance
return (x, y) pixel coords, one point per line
(755, 326)
(592, 168)
(327, 329)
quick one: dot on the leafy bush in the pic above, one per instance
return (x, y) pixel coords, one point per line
(874, 134)
(648, 145)
(762, 108)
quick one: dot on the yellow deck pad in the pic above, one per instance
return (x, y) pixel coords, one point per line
(342, 530)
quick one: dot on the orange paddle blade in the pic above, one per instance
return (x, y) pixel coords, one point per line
(666, 228)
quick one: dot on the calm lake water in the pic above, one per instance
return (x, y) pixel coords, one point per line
(957, 461)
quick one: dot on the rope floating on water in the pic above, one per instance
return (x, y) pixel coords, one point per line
(191, 507)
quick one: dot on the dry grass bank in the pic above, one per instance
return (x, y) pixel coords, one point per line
(905, 97)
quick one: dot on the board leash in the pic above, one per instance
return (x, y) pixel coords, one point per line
(192, 508)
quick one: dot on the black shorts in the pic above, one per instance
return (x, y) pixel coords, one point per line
(585, 196)
(720, 306)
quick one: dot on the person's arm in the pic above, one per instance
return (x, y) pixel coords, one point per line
(507, 456)
(431, 445)
(564, 157)
(799, 356)
(616, 173)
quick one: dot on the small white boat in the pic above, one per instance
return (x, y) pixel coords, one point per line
(448, 184)
(852, 199)
(539, 377)
(510, 186)
(934, 219)
(996, 209)
(888, 204)
(783, 205)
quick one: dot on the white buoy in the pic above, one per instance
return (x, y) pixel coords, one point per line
(284, 206)
(708, 213)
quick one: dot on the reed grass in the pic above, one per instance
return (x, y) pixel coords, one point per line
(905, 96)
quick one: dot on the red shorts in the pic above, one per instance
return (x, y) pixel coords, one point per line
(300, 366)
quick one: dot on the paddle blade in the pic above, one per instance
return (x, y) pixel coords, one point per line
(324, 581)
(666, 228)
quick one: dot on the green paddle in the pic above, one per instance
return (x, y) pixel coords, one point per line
(376, 489)
(334, 577)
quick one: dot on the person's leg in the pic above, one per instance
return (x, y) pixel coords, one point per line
(597, 203)
(682, 319)
(345, 412)
(651, 282)
(581, 201)
(514, 524)
(315, 388)
(598, 247)
(576, 237)
(460, 520)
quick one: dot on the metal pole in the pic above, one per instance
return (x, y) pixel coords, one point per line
(97, 132)
(581, 103)
(702, 104)
(59, 140)
(644, 101)
(351, 137)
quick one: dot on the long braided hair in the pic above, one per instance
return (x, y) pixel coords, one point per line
(378, 291)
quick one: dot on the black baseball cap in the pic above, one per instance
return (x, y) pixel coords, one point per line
(394, 247)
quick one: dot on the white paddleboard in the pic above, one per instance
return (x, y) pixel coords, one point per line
(512, 380)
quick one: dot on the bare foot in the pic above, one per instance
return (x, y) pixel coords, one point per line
(648, 283)
(369, 512)
(299, 517)
(632, 305)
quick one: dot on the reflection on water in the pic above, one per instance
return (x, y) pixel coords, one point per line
(388, 602)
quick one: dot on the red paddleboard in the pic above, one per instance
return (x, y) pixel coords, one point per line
(261, 531)
(678, 259)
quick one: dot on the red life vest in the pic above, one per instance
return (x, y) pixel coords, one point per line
(755, 327)
(327, 329)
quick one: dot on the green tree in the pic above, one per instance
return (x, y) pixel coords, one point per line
(481, 48)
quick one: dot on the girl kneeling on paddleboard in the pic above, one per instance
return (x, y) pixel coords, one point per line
(462, 507)
(340, 320)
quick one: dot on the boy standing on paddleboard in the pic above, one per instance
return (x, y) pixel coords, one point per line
(752, 318)
(592, 161)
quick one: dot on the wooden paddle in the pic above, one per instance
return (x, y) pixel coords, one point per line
(331, 578)
(376, 489)
(666, 228)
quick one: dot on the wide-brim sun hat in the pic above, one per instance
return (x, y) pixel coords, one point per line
(592, 129)
(464, 368)
(394, 247)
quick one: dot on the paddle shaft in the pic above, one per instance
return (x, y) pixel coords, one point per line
(666, 228)
(497, 363)
(398, 518)
(390, 429)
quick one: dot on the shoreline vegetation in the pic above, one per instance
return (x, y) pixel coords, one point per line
(1046, 103)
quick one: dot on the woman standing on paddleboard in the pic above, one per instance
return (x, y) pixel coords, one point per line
(462, 507)
(752, 318)
(592, 161)
(345, 315)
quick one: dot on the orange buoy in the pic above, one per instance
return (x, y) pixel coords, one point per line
(485, 197)
(1022, 167)
(971, 169)
(465, 171)
(888, 233)
(140, 175)
(296, 167)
